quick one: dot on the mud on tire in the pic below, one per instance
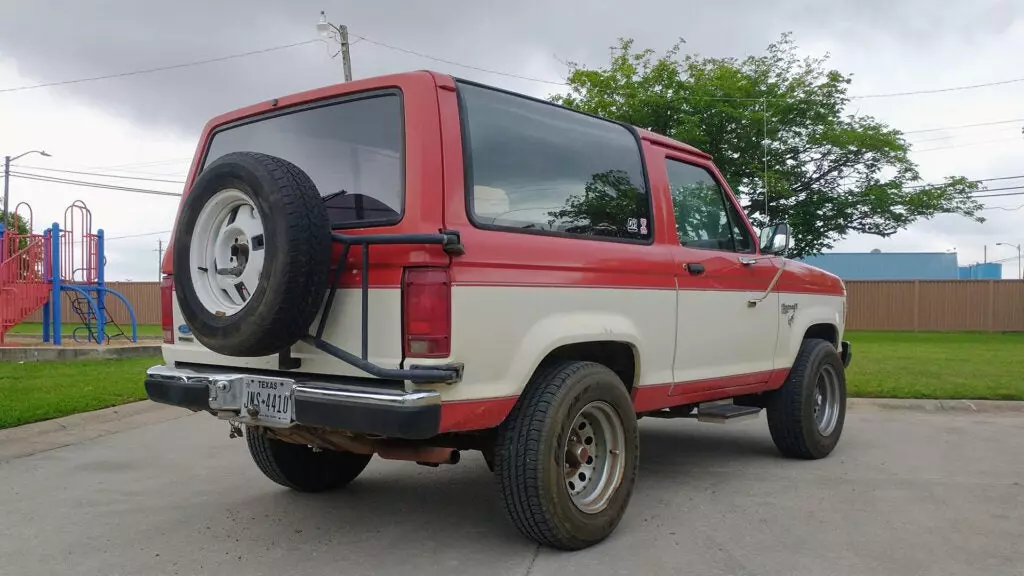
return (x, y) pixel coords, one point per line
(295, 241)
(536, 456)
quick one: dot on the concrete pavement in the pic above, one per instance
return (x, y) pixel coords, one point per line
(905, 493)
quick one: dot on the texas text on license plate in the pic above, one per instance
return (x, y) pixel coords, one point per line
(268, 399)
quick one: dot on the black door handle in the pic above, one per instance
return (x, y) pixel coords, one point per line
(695, 268)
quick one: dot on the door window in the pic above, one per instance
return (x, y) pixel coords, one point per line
(705, 216)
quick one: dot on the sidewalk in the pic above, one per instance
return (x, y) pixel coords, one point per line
(59, 432)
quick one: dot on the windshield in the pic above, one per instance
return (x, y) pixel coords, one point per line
(352, 150)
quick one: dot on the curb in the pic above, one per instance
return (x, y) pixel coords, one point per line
(56, 353)
(60, 432)
(937, 406)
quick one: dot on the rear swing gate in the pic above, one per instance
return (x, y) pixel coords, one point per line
(269, 398)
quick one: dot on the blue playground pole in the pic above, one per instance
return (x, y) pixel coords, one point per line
(55, 294)
(101, 295)
(46, 306)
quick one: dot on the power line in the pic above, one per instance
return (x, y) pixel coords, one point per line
(938, 90)
(454, 63)
(1018, 138)
(998, 189)
(1004, 193)
(156, 69)
(1006, 208)
(85, 184)
(84, 173)
(978, 181)
(138, 235)
(957, 127)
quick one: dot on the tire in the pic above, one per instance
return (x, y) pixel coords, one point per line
(293, 247)
(298, 467)
(791, 409)
(530, 455)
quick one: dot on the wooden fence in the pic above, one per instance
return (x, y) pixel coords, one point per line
(925, 305)
(144, 296)
(936, 305)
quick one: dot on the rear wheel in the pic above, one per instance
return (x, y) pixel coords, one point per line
(806, 415)
(567, 455)
(298, 467)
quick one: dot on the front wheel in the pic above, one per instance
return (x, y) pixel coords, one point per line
(298, 467)
(806, 415)
(566, 457)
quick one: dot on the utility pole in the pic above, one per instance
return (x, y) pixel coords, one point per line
(7, 188)
(7, 181)
(328, 30)
(159, 258)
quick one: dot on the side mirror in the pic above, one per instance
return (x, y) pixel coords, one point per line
(775, 239)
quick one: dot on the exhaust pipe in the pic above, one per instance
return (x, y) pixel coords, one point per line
(424, 455)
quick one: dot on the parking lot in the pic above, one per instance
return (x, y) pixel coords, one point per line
(905, 493)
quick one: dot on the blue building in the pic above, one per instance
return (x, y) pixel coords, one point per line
(986, 271)
(888, 265)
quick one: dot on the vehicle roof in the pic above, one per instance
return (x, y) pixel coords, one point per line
(365, 83)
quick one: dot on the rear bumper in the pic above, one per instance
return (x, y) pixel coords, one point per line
(845, 352)
(340, 406)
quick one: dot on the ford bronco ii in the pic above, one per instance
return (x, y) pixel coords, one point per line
(414, 266)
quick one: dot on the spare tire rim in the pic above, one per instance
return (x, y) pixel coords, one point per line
(227, 252)
(826, 401)
(594, 457)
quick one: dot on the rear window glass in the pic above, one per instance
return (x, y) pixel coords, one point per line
(533, 166)
(352, 150)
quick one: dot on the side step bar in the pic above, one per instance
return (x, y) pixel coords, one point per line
(723, 413)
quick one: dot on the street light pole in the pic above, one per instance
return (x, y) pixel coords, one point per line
(7, 179)
(326, 29)
(1020, 271)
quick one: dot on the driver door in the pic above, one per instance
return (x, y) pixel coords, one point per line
(726, 326)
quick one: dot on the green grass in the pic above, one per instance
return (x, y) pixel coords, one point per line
(34, 391)
(937, 365)
(885, 365)
(36, 329)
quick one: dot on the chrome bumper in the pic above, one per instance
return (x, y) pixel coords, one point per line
(353, 407)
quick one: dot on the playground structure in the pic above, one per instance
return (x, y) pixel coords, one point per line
(37, 270)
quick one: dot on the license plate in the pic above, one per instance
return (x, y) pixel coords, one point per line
(268, 400)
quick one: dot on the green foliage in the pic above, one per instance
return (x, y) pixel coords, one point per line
(17, 224)
(829, 173)
(15, 221)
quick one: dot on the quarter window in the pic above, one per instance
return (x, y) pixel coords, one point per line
(705, 217)
(533, 166)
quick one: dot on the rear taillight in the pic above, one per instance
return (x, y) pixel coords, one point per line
(167, 308)
(427, 313)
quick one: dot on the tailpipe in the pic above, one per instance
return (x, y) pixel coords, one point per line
(423, 455)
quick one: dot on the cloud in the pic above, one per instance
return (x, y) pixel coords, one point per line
(889, 46)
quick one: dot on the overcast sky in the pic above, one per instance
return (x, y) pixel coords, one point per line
(147, 124)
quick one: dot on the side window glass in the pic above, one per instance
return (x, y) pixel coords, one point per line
(704, 219)
(533, 166)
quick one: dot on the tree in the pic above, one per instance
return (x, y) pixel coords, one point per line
(779, 119)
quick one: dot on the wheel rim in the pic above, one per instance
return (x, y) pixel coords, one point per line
(594, 457)
(227, 252)
(826, 400)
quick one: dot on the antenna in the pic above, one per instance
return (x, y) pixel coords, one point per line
(764, 107)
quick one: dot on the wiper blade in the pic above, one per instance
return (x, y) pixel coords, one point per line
(341, 192)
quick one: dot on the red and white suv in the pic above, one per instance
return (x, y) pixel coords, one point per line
(415, 265)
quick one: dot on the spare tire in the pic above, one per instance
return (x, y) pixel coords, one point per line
(252, 248)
